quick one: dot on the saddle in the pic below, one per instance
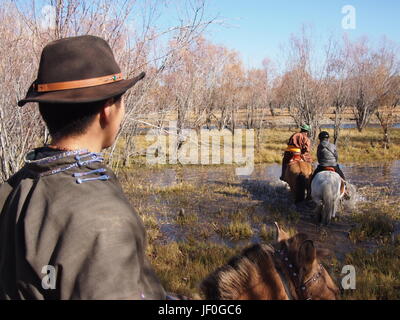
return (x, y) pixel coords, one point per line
(296, 157)
(332, 169)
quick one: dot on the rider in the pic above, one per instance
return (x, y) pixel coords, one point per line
(327, 155)
(299, 143)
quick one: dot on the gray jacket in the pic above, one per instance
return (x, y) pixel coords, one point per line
(87, 231)
(327, 154)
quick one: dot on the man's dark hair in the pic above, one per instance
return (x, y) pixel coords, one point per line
(67, 119)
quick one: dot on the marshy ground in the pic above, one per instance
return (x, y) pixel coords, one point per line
(197, 217)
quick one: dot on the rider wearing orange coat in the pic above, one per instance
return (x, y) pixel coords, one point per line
(299, 143)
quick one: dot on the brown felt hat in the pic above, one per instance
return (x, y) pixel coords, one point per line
(78, 70)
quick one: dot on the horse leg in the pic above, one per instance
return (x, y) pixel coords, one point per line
(308, 189)
(328, 210)
(335, 207)
(301, 184)
(318, 211)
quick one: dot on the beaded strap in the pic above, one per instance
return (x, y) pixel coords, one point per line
(58, 156)
(83, 158)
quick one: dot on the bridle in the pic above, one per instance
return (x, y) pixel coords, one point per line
(302, 289)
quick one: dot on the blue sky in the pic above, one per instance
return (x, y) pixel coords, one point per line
(258, 27)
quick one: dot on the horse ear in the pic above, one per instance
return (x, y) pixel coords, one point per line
(307, 254)
(280, 234)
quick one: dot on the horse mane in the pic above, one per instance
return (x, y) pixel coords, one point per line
(229, 281)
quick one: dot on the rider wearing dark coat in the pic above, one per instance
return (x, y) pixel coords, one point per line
(327, 155)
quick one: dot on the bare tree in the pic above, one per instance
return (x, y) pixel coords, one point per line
(129, 26)
(337, 82)
(370, 81)
(20, 128)
(386, 114)
(304, 91)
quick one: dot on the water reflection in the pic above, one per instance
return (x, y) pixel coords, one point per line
(381, 175)
(385, 174)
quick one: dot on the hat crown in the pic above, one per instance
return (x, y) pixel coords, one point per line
(76, 58)
(305, 127)
(323, 135)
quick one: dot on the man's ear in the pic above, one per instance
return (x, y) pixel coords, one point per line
(307, 254)
(280, 234)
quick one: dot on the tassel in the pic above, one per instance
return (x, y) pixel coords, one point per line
(102, 178)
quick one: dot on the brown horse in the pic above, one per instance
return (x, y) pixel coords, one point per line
(298, 175)
(288, 270)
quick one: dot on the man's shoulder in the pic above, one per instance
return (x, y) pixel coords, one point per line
(327, 145)
(94, 206)
(331, 146)
(88, 200)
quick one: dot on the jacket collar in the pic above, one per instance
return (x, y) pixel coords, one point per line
(61, 161)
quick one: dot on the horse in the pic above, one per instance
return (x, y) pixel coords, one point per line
(327, 189)
(288, 270)
(298, 175)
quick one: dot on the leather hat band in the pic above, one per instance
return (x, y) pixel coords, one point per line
(76, 84)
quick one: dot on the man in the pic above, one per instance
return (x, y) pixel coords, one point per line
(299, 143)
(66, 229)
(327, 155)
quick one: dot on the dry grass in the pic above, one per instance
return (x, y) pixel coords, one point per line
(377, 274)
(353, 146)
(266, 234)
(375, 219)
(376, 225)
(236, 230)
(182, 266)
(377, 268)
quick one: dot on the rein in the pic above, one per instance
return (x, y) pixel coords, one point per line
(302, 289)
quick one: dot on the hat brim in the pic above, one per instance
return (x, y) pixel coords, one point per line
(81, 95)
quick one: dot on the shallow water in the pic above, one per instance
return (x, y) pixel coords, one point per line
(386, 174)
(266, 192)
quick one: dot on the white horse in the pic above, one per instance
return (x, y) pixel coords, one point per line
(326, 192)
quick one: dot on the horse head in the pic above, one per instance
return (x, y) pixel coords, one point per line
(290, 269)
(303, 269)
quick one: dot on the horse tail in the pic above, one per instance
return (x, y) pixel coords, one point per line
(301, 186)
